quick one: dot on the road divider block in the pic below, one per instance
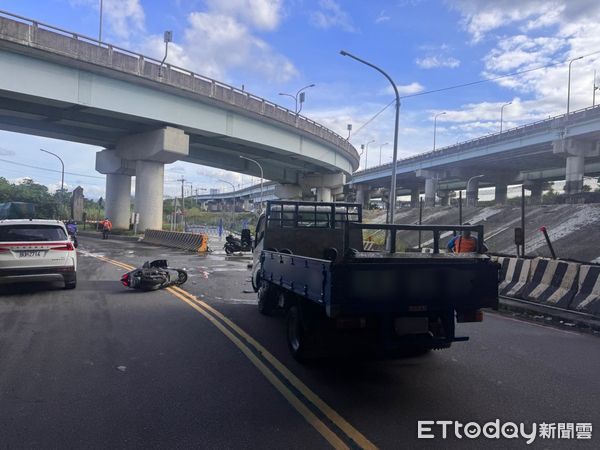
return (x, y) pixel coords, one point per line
(514, 275)
(587, 298)
(187, 241)
(551, 282)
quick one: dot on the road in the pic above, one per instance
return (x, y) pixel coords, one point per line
(103, 366)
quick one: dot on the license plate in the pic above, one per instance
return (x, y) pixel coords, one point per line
(411, 325)
(30, 254)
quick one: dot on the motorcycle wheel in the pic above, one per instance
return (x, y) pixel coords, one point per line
(181, 277)
(228, 249)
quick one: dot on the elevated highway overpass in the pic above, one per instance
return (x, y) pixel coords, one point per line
(558, 148)
(58, 84)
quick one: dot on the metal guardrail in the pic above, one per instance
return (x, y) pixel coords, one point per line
(552, 123)
(88, 49)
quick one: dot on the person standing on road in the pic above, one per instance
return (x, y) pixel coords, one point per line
(463, 243)
(106, 228)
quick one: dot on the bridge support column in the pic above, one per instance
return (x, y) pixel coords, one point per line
(536, 188)
(414, 197)
(323, 194)
(430, 190)
(363, 195)
(473, 192)
(444, 198)
(118, 200)
(149, 182)
(118, 186)
(501, 192)
(575, 151)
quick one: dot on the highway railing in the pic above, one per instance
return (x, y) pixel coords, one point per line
(35, 34)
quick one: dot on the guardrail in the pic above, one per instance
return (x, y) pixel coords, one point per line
(566, 285)
(35, 34)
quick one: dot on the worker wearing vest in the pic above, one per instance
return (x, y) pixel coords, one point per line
(106, 226)
(464, 243)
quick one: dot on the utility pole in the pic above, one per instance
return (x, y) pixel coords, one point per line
(182, 202)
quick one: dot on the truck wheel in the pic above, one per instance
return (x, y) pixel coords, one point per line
(267, 299)
(299, 337)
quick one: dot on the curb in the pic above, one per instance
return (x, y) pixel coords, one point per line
(551, 315)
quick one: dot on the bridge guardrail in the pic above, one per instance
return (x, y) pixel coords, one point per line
(19, 29)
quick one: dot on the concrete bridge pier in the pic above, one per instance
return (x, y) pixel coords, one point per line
(414, 197)
(150, 151)
(118, 187)
(326, 185)
(537, 188)
(473, 192)
(149, 184)
(363, 195)
(501, 193)
(323, 194)
(575, 151)
(444, 198)
(431, 185)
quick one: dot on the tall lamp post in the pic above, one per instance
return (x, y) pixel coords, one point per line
(469, 185)
(261, 178)
(502, 114)
(100, 27)
(365, 147)
(569, 85)
(299, 96)
(380, 147)
(62, 177)
(595, 89)
(232, 209)
(435, 126)
(392, 201)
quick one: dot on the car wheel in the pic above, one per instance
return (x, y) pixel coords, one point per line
(71, 282)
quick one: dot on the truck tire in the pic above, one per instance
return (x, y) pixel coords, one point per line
(303, 341)
(267, 298)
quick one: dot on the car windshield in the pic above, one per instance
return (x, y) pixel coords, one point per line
(31, 233)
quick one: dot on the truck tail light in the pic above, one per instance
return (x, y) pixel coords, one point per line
(469, 316)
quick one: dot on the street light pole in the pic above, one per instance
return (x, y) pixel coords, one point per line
(295, 97)
(380, 151)
(569, 85)
(62, 177)
(392, 204)
(261, 178)
(595, 89)
(100, 28)
(435, 126)
(502, 114)
(232, 209)
(366, 148)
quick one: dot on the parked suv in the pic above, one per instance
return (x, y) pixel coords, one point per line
(36, 250)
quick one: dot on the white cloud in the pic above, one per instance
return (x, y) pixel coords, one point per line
(124, 18)
(404, 89)
(263, 14)
(331, 15)
(383, 17)
(431, 62)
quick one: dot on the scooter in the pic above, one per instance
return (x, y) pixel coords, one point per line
(234, 244)
(154, 275)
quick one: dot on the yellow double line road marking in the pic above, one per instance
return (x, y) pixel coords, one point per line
(333, 427)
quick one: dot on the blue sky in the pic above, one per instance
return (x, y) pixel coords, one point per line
(273, 46)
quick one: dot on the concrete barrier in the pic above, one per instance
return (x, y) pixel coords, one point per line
(551, 282)
(587, 298)
(513, 276)
(186, 241)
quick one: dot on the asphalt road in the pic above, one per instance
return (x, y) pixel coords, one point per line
(106, 367)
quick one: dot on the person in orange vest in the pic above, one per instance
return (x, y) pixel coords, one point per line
(106, 227)
(463, 243)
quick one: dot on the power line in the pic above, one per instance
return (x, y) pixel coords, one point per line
(471, 83)
(50, 170)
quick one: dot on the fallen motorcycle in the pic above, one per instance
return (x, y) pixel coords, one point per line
(234, 244)
(154, 275)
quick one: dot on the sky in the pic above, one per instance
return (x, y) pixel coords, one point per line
(280, 46)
